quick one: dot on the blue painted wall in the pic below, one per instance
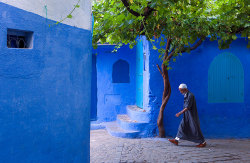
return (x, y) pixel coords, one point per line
(45, 91)
(222, 120)
(93, 112)
(112, 98)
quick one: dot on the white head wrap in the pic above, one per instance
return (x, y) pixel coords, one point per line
(183, 86)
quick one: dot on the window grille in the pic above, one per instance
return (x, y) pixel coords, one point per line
(19, 39)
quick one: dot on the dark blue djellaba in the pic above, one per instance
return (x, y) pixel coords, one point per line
(189, 128)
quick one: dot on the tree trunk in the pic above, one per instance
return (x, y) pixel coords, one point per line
(165, 98)
(167, 87)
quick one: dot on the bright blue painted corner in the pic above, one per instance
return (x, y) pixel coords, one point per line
(139, 73)
(45, 91)
(116, 93)
(112, 98)
(93, 112)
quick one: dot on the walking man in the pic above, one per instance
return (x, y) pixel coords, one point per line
(189, 128)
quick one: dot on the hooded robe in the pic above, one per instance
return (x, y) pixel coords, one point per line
(189, 128)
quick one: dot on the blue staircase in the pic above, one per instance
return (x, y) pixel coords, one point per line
(134, 124)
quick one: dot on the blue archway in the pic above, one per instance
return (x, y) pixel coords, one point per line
(120, 72)
(226, 80)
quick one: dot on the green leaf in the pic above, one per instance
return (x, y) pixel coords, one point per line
(169, 68)
(244, 34)
(247, 25)
(154, 47)
(248, 45)
(131, 46)
(95, 46)
(165, 63)
(234, 37)
(69, 16)
(77, 6)
(130, 21)
(162, 43)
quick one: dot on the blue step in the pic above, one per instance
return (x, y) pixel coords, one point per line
(115, 130)
(96, 126)
(128, 124)
(138, 114)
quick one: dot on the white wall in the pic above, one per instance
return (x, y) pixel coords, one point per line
(58, 9)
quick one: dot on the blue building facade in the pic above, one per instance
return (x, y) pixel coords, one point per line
(218, 78)
(45, 83)
(115, 78)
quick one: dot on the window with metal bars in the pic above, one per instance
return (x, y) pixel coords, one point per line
(19, 39)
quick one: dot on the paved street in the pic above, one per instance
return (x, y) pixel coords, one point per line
(108, 149)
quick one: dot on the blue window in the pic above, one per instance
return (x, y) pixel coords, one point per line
(226, 80)
(120, 73)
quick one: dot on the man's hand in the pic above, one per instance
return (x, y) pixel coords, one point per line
(177, 115)
(181, 112)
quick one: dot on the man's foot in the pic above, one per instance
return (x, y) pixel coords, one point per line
(201, 145)
(173, 141)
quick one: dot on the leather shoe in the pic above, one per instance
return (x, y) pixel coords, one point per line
(173, 141)
(201, 145)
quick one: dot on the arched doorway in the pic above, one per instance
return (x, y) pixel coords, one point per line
(226, 80)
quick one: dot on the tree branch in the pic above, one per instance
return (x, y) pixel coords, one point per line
(185, 49)
(165, 100)
(239, 30)
(148, 10)
(193, 47)
(167, 46)
(126, 4)
(168, 84)
(159, 69)
(167, 87)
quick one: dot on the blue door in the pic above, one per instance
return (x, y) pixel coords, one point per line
(139, 74)
(226, 80)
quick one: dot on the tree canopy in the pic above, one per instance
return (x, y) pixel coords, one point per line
(185, 22)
